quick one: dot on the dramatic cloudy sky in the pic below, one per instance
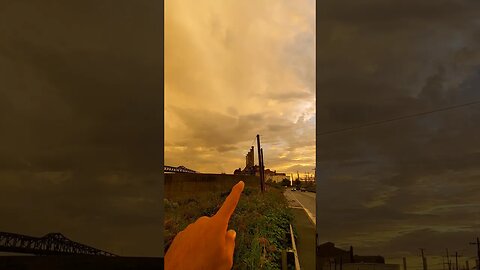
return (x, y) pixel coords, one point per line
(80, 122)
(234, 69)
(394, 188)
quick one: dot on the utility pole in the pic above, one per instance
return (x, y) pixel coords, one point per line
(448, 261)
(478, 252)
(424, 260)
(456, 260)
(260, 165)
(263, 171)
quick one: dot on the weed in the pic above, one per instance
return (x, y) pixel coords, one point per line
(260, 220)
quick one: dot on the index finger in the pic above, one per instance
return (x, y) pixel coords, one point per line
(226, 211)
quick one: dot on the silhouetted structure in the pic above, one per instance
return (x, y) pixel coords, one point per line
(328, 254)
(179, 169)
(250, 159)
(50, 244)
(252, 169)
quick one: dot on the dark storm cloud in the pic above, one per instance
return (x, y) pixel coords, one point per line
(81, 122)
(384, 59)
(434, 242)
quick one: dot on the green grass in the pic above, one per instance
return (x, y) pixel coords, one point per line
(260, 220)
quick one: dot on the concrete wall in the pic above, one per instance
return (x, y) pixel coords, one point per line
(185, 184)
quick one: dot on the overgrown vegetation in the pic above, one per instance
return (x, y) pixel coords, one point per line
(260, 220)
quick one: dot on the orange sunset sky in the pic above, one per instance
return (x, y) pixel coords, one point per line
(234, 69)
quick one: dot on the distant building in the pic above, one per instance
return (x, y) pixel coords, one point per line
(333, 258)
(274, 176)
(252, 169)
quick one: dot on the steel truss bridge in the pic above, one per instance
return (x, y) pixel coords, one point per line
(179, 169)
(50, 244)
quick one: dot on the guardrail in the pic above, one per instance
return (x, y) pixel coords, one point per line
(290, 255)
(297, 262)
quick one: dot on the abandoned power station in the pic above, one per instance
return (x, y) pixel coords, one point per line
(252, 169)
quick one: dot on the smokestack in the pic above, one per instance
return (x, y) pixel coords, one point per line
(351, 254)
(249, 160)
(252, 157)
(252, 160)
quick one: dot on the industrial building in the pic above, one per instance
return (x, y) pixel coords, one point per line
(333, 258)
(252, 169)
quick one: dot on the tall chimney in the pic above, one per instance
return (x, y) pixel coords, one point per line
(252, 157)
(351, 255)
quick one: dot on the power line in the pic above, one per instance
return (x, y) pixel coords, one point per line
(398, 118)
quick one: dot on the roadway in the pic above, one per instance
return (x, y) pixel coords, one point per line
(306, 200)
(303, 210)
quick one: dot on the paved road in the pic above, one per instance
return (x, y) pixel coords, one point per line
(305, 200)
(303, 209)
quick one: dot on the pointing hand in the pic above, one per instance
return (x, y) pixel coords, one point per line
(206, 243)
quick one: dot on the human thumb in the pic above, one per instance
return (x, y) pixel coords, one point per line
(230, 243)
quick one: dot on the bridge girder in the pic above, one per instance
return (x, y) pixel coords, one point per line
(50, 244)
(179, 169)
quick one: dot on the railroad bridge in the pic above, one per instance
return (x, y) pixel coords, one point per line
(50, 244)
(179, 169)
